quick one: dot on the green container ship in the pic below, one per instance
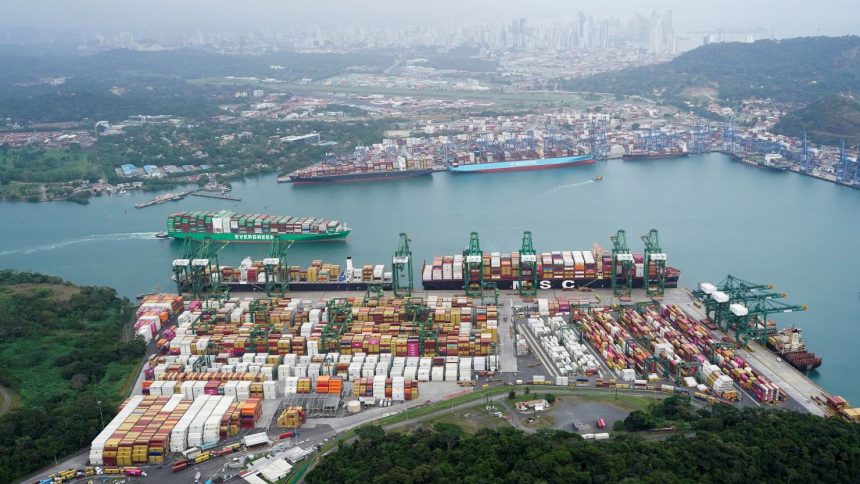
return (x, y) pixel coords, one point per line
(255, 228)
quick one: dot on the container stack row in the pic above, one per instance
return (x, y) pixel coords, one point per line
(147, 428)
(730, 364)
(560, 342)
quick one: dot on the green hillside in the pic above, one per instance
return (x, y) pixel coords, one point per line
(61, 351)
(827, 121)
(797, 70)
(726, 445)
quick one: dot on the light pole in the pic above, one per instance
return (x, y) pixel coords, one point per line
(101, 416)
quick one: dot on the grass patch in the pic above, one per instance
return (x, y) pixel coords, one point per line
(472, 419)
(520, 99)
(627, 402)
(38, 165)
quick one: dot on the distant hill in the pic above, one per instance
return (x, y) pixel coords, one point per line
(797, 70)
(826, 121)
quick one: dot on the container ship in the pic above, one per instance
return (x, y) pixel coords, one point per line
(250, 276)
(788, 343)
(566, 269)
(767, 162)
(502, 160)
(352, 170)
(654, 155)
(228, 226)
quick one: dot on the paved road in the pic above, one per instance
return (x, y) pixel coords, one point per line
(5, 400)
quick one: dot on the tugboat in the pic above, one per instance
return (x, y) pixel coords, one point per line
(600, 178)
(161, 235)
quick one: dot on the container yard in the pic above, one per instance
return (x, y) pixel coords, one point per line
(225, 366)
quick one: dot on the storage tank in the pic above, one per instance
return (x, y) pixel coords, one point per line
(353, 406)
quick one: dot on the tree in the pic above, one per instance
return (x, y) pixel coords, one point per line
(635, 127)
(550, 398)
(527, 391)
(638, 420)
(370, 432)
(512, 395)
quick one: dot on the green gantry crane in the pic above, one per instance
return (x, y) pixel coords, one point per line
(528, 274)
(182, 267)
(743, 317)
(719, 299)
(719, 344)
(374, 291)
(621, 255)
(654, 286)
(423, 323)
(473, 267)
(275, 268)
(490, 288)
(339, 318)
(206, 271)
(695, 366)
(401, 268)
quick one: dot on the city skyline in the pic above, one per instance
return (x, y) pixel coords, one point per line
(148, 16)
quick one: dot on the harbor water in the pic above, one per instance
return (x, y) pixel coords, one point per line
(715, 217)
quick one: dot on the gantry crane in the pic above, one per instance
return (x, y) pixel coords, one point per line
(491, 290)
(206, 271)
(654, 286)
(717, 299)
(339, 318)
(750, 320)
(275, 268)
(621, 255)
(401, 267)
(719, 344)
(473, 267)
(422, 321)
(182, 267)
(528, 272)
(374, 293)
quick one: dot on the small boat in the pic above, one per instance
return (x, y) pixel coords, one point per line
(600, 178)
(161, 235)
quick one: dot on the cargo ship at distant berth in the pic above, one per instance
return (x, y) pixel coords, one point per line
(521, 165)
(255, 228)
(365, 165)
(309, 178)
(653, 155)
(788, 343)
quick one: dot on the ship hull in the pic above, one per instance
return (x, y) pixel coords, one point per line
(655, 156)
(523, 165)
(545, 285)
(307, 286)
(359, 177)
(260, 238)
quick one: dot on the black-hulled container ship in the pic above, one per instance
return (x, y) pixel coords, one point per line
(653, 155)
(566, 269)
(788, 343)
(364, 165)
(250, 276)
(369, 176)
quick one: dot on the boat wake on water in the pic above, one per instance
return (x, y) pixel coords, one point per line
(563, 187)
(89, 238)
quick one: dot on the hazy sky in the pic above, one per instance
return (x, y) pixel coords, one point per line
(786, 17)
